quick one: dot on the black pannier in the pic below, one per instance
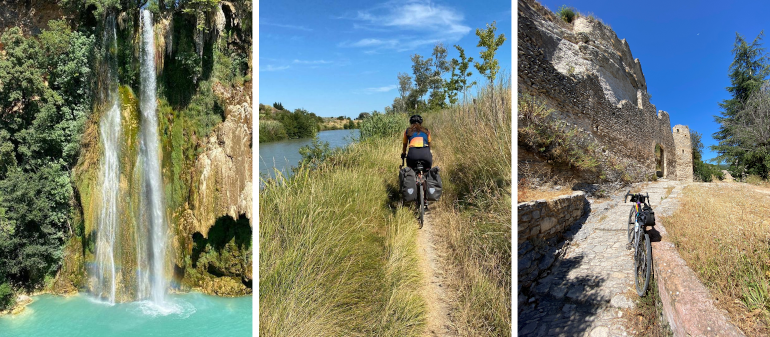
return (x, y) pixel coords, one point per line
(648, 216)
(407, 183)
(433, 180)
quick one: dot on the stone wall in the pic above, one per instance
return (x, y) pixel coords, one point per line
(683, 146)
(541, 225)
(589, 78)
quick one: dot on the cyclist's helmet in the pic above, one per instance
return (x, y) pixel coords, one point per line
(415, 119)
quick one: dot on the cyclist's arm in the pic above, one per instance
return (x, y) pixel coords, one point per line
(429, 139)
(403, 149)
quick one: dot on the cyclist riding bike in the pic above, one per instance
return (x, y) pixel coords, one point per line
(417, 140)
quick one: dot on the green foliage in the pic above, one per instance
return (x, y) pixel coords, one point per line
(204, 110)
(566, 13)
(298, 124)
(270, 131)
(315, 153)
(230, 65)
(226, 251)
(199, 9)
(487, 39)
(383, 125)
(565, 145)
(278, 106)
(706, 172)
(697, 145)
(7, 297)
(153, 7)
(363, 115)
(441, 65)
(423, 78)
(45, 98)
(747, 74)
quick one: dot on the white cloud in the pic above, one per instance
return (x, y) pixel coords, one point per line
(273, 68)
(312, 62)
(381, 89)
(428, 22)
(281, 25)
(375, 43)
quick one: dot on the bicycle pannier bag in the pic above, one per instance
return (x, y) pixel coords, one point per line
(649, 216)
(433, 180)
(408, 184)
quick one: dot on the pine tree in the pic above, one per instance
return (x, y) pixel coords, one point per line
(747, 74)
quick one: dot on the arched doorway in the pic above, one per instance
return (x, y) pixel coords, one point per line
(660, 161)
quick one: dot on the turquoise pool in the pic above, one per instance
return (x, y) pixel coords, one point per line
(192, 314)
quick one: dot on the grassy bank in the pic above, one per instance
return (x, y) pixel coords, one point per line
(722, 231)
(335, 257)
(473, 149)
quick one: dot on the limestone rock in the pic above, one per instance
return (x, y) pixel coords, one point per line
(223, 174)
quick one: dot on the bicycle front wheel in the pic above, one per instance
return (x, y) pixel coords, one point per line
(631, 222)
(643, 264)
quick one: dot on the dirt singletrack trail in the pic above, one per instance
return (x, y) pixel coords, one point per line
(434, 290)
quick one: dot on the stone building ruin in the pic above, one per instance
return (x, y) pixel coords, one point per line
(590, 79)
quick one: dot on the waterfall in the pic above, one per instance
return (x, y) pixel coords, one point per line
(152, 252)
(109, 129)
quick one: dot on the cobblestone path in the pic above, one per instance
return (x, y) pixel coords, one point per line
(584, 292)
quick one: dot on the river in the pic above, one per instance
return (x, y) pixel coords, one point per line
(284, 154)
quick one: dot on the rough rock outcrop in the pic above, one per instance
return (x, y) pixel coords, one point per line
(223, 172)
(31, 16)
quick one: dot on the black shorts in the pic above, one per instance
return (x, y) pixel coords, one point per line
(419, 153)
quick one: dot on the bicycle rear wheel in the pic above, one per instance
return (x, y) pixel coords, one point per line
(422, 205)
(643, 264)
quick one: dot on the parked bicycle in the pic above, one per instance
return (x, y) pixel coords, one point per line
(639, 218)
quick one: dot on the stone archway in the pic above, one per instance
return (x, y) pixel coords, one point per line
(660, 161)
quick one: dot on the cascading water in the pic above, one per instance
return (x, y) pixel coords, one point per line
(151, 255)
(109, 128)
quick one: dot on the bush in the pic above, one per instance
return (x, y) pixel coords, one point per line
(754, 179)
(315, 154)
(706, 172)
(7, 297)
(270, 131)
(566, 13)
(299, 124)
(383, 125)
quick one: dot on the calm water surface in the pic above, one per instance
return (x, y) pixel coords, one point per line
(196, 314)
(284, 154)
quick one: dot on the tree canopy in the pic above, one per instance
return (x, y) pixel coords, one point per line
(738, 144)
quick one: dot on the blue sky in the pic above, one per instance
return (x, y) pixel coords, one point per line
(685, 48)
(343, 57)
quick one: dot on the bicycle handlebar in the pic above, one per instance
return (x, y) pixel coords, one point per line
(641, 198)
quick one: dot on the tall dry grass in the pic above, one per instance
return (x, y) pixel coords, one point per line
(723, 232)
(472, 145)
(335, 258)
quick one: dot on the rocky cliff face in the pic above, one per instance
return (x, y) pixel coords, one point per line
(223, 171)
(31, 16)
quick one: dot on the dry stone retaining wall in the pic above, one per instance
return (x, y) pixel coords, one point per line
(541, 224)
